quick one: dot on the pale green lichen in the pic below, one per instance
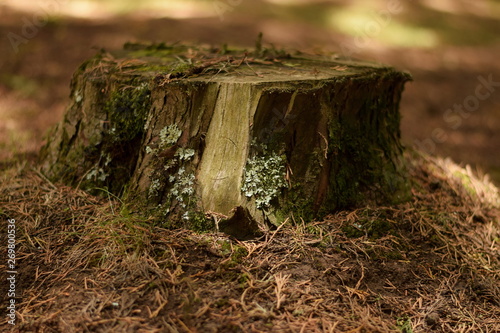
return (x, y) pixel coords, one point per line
(169, 136)
(78, 97)
(154, 187)
(183, 187)
(180, 183)
(97, 173)
(264, 177)
(170, 164)
(181, 190)
(185, 154)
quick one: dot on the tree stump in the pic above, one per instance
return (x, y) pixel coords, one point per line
(190, 131)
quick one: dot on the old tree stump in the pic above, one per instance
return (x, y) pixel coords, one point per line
(189, 132)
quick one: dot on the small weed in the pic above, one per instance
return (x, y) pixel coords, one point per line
(404, 325)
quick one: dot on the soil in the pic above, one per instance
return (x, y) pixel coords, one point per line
(90, 263)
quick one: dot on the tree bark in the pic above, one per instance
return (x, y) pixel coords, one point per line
(188, 131)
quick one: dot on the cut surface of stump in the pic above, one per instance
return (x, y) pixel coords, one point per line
(190, 132)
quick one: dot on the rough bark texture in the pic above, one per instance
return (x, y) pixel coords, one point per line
(186, 131)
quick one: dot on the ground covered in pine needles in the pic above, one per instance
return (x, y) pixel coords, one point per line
(90, 264)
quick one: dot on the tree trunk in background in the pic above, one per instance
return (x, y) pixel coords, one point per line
(188, 132)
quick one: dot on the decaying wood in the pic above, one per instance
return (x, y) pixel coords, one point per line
(184, 130)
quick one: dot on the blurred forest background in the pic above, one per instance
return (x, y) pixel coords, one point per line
(451, 48)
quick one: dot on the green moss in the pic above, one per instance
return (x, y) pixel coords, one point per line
(236, 253)
(367, 152)
(445, 220)
(239, 253)
(174, 60)
(299, 204)
(243, 280)
(200, 223)
(394, 255)
(127, 110)
(379, 228)
(353, 231)
(222, 302)
(226, 247)
(373, 227)
(464, 178)
(111, 153)
(313, 230)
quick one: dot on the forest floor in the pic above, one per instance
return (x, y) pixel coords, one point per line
(91, 264)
